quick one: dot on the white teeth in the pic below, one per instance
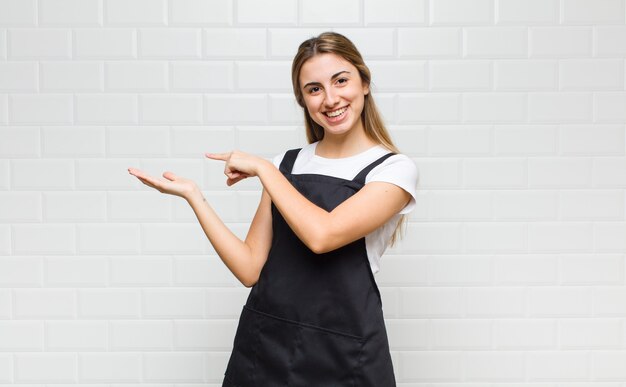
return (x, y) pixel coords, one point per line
(336, 112)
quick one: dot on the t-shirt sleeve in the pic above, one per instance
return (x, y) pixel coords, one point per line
(278, 159)
(401, 171)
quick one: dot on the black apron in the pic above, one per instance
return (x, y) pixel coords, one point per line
(312, 320)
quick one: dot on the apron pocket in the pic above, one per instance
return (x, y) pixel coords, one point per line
(326, 358)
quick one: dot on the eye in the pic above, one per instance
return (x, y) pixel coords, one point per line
(312, 89)
(342, 79)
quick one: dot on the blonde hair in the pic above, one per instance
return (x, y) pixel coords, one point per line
(335, 43)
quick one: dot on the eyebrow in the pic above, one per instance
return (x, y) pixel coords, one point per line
(331, 78)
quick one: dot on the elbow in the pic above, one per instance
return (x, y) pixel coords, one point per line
(249, 280)
(321, 243)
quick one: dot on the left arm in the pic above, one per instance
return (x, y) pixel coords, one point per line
(323, 231)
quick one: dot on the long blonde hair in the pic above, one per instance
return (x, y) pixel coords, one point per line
(335, 43)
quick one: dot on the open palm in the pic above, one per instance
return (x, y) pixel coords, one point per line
(172, 184)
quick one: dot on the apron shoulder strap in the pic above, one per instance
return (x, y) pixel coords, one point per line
(360, 178)
(289, 159)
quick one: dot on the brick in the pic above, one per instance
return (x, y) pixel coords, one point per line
(195, 76)
(221, 109)
(18, 13)
(593, 12)
(18, 76)
(108, 238)
(610, 41)
(226, 302)
(37, 174)
(486, 172)
(601, 205)
(426, 366)
(525, 140)
(558, 42)
(22, 336)
(317, 12)
(608, 365)
(429, 42)
(205, 335)
(564, 301)
(458, 270)
(169, 303)
(563, 172)
(265, 76)
(460, 11)
(40, 43)
(5, 248)
(401, 270)
(106, 109)
(40, 108)
(608, 172)
(557, 366)
(138, 206)
(171, 108)
(136, 12)
(109, 303)
(591, 270)
(194, 141)
(50, 367)
(460, 334)
(371, 42)
(44, 304)
(590, 333)
(254, 139)
(18, 272)
(235, 43)
(527, 12)
(284, 42)
(196, 12)
(76, 336)
(104, 367)
(398, 75)
(141, 271)
(285, 110)
(609, 237)
(19, 142)
(570, 107)
(141, 335)
(495, 366)
(73, 141)
(105, 43)
(170, 43)
(70, 12)
(408, 334)
(17, 207)
(170, 239)
(69, 76)
(609, 107)
(529, 334)
(559, 237)
(193, 271)
(124, 141)
(591, 140)
(500, 42)
(431, 302)
(609, 301)
(264, 12)
(185, 367)
(454, 75)
(397, 12)
(136, 76)
(76, 272)
(74, 206)
(428, 107)
(498, 107)
(595, 74)
(456, 206)
(434, 238)
(490, 302)
(529, 75)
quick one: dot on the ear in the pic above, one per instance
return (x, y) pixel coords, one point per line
(366, 89)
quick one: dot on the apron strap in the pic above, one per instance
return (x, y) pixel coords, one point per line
(360, 178)
(286, 166)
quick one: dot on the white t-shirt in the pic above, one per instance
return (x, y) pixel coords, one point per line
(398, 169)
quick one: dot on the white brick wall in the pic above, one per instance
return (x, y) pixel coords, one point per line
(512, 271)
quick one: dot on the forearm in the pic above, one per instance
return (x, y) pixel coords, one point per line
(308, 221)
(235, 253)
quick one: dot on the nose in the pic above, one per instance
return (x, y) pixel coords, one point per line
(331, 98)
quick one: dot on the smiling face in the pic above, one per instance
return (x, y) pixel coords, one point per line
(333, 93)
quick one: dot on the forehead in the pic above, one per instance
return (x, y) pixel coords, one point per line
(323, 66)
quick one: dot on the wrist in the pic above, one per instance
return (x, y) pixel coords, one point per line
(194, 195)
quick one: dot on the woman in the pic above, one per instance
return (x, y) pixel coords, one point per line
(327, 212)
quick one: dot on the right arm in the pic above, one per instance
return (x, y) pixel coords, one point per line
(244, 259)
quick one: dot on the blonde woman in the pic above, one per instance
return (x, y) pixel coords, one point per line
(327, 212)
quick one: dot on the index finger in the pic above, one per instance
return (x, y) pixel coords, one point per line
(217, 156)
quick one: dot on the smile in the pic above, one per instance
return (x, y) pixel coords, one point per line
(337, 112)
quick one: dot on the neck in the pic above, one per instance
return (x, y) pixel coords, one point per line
(344, 145)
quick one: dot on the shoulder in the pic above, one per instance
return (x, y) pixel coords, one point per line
(276, 160)
(399, 170)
